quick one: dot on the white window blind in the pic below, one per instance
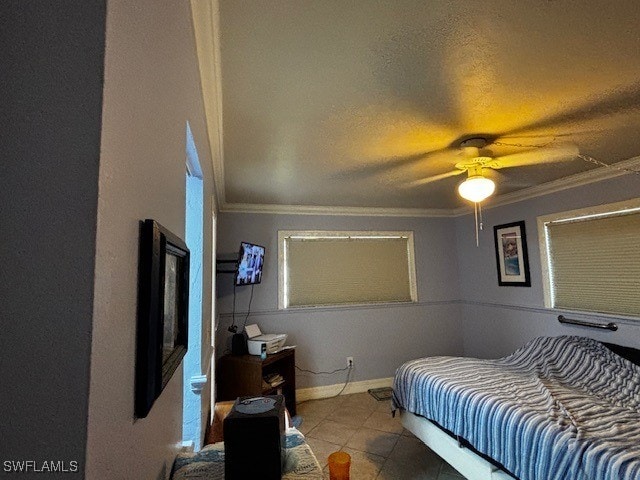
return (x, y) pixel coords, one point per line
(346, 268)
(594, 262)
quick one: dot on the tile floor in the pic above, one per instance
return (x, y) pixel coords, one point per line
(379, 446)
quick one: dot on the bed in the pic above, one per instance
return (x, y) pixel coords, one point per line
(559, 408)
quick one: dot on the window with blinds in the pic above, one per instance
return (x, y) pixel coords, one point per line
(345, 268)
(592, 259)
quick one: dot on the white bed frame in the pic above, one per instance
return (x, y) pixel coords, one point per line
(471, 465)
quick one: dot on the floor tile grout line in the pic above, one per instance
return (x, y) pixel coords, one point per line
(371, 410)
(388, 457)
(382, 467)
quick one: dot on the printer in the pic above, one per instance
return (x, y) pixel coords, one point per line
(256, 339)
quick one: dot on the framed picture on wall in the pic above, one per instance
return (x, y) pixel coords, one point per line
(163, 299)
(512, 258)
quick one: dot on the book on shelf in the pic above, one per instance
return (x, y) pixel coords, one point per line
(273, 379)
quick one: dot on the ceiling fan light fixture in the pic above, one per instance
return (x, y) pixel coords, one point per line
(476, 188)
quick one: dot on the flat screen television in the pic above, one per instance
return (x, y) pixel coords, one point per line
(250, 261)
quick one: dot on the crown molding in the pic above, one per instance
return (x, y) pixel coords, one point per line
(577, 180)
(206, 25)
(330, 210)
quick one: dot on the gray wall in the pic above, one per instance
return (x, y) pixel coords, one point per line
(151, 90)
(379, 338)
(496, 320)
(51, 90)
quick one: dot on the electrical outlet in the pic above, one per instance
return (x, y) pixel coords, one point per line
(349, 362)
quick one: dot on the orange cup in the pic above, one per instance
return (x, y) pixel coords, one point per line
(339, 463)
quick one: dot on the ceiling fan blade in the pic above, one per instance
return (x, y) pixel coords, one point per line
(389, 164)
(434, 178)
(615, 102)
(537, 156)
(502, 179)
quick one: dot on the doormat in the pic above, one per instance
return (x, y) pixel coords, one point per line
(381, 394)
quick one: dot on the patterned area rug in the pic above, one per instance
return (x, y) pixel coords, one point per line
(208, 464)
(381, 394)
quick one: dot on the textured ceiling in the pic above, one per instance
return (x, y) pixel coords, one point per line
(334, 103)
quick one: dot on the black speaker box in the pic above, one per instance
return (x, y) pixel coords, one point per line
(254, 439)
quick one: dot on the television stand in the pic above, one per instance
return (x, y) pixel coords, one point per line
(243, 375)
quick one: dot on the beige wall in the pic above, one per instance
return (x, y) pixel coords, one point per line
(151, 90)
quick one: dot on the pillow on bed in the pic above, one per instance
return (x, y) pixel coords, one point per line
(631, 354)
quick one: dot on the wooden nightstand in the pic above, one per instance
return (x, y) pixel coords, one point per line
(242, 375)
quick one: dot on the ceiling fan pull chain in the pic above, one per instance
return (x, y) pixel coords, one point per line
(590, 159)
(524, 145)
(480, 214)
(475, 211)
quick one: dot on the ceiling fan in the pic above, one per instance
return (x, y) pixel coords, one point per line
(546, 140)
(479, 164)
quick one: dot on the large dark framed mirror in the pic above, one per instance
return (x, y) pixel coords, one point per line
(163, 300)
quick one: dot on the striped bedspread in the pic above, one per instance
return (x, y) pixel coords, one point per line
(559, 408)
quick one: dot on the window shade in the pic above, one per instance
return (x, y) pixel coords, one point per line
(595, 264)
(340, 271)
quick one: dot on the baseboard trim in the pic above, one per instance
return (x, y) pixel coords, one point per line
(313, 393)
